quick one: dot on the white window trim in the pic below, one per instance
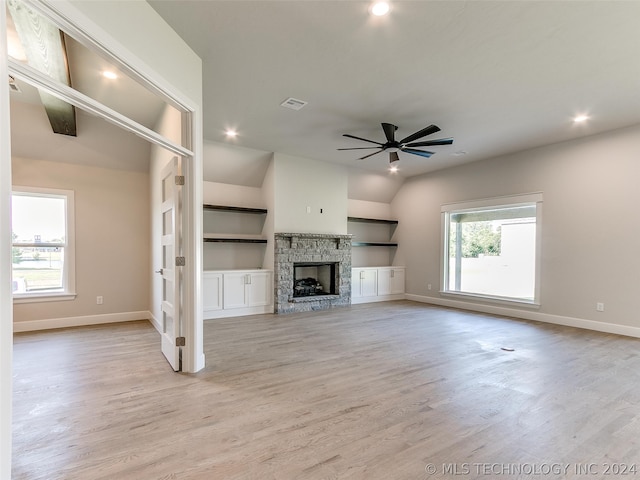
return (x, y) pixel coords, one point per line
(500, 202)
(69, 269)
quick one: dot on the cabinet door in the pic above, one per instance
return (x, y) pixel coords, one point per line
(211, 292)
(259, 289)
(356, 283)
(369, 283)
(235, 291)
(384, 281)
(397, 281)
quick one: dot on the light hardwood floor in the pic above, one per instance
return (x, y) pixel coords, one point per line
(377, 391)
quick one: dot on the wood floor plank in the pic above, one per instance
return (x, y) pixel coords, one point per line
(373, 391)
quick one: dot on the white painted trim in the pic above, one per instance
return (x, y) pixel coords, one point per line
(35, 78)
(492, 299)
(6, 305)
(379, 298)
(43, 297)
(502, 201)
(155, 322)
(50, 323)
(69, 261)
(531, 315)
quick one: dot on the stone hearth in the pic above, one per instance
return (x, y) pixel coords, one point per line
(293, 248)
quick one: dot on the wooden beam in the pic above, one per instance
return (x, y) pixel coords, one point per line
(45, 49)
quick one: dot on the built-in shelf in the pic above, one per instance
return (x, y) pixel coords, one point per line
(235, 240)
(371, 220)
(379, 221)
(227, 208)
(374, 244)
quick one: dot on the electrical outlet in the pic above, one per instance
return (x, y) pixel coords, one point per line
(308, 209)
(428, 286)
(99, 300)
(600, 307)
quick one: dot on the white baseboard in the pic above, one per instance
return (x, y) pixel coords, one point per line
(155, 322)
(530, 315)
(49, 323)
(377, 298)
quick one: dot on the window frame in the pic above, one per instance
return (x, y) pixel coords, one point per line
(509, 201)
(68, 291)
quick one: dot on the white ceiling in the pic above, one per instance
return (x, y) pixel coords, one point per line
(497, 76)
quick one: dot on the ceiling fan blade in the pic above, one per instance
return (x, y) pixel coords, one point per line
(358, 148)
(389, 131)
(393, 157)
(429, 143)
(422, 133)
(422, 153)
(370, 155)
(359, 138)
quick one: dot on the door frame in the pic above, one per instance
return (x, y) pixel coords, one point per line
(73, 20)
(6, 302)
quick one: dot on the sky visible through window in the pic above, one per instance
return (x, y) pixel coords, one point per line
(35, 215)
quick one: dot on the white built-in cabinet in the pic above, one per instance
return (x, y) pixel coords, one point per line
(233, 293)
(377, 284)
(372, 279)
(233, 284)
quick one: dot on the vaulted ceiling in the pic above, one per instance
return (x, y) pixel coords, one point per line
(497, 76)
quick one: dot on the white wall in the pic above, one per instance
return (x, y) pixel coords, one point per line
(216, 193)
(222, 255)
(111, 238)
(269, 198)
(368, 209)
(589, 226)
(300, 183)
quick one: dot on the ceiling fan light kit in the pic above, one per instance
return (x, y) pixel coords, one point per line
(406, 145)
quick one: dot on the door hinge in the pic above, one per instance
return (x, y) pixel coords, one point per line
(180, 262)
(181, 341)
(179, 179)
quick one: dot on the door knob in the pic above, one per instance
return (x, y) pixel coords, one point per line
(160, 271)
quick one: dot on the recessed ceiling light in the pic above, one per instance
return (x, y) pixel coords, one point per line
(380, 8)
(393, 169)
(109, 74)
(580, 118)
(231, 133)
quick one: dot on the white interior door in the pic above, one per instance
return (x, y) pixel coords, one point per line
(171, 228)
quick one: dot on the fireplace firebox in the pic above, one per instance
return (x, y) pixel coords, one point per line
(313, 278)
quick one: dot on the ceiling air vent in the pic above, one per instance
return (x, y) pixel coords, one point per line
(13, 85)
(293, 103)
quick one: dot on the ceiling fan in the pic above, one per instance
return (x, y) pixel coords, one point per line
(406, 145)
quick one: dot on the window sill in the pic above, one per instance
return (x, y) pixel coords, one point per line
(492, 299)
(43, 297)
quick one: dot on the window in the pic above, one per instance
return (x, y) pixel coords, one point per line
(42, 254)
(491, 248)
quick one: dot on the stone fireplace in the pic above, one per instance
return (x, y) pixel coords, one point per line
(312, 271)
